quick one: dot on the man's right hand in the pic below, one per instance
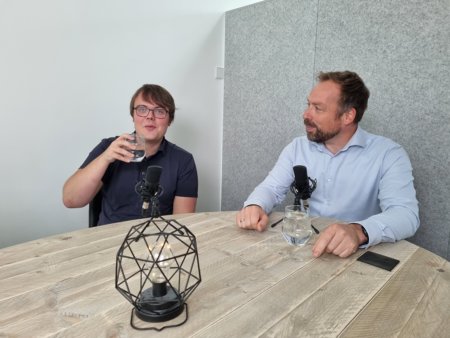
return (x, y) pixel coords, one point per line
(252, 217)
(119, 149)
(82, 186)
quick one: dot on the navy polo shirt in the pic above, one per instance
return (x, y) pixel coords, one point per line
(120, 200)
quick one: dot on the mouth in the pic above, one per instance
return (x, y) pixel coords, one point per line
(309, 127)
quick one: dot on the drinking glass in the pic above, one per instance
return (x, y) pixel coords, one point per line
(139, 150)
(296, 226)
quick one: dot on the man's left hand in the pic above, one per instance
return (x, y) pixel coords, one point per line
(339, 239)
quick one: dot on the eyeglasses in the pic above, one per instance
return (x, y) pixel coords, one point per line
(158, 112)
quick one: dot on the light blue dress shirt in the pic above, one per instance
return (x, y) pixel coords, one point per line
(368, 182)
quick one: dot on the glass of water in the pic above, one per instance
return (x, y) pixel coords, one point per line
(139, 150)
(296, 226)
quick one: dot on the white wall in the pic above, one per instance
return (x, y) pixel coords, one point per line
(67, 72)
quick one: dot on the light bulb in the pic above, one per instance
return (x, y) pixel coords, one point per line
(163, 257)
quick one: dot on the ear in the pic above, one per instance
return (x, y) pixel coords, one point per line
(349, 116)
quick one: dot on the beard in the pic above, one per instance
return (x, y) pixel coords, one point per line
(319, 135)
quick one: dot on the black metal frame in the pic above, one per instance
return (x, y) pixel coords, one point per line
(135, 263)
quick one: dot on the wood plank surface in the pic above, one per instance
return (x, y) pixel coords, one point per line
(414, 303)
(306, 302)
(253, 284)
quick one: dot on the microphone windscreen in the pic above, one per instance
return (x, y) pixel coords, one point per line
(153, 175)
(301, 178)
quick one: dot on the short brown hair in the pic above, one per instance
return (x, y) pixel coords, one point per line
(354, 93)
(157, 95)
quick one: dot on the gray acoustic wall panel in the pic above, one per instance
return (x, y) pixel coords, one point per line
(401, 50)
(269, 54)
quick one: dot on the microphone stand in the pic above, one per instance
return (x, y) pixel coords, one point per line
(301, 198)
(154, 201)
(149, 199)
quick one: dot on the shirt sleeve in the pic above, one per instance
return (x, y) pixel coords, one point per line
(99, 149)
(399, 216)
(272, 191)
(187, 181)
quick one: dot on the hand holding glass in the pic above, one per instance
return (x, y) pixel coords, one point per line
(138, 143)
(296, 226)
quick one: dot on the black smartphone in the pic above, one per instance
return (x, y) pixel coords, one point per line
(378, 260)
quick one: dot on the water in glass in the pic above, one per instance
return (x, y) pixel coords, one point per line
(296, 227)
(139, 152)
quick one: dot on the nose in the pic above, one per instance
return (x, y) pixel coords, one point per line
(151, 115)
(307, 113)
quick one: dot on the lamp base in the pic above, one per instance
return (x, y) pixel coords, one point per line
(153, 308)
(158, 328)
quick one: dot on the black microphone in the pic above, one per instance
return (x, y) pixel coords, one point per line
(149, 189)
(152, 179)
(303, 186)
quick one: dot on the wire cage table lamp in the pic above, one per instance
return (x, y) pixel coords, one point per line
(157, 265)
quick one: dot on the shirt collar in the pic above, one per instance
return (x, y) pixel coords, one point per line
(162, 149)
(359, 139)
(163, 145)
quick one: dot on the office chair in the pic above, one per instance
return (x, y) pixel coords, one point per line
(95, 206)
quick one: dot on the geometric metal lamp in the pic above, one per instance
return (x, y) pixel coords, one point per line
(157, 269)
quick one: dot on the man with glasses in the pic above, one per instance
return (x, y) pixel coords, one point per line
(109, 167)
(363, 179)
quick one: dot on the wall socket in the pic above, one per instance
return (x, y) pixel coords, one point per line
(220, 72)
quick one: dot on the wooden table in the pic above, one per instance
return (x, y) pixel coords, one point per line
(253, 284)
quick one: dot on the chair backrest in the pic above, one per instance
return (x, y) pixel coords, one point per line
(95, 206)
